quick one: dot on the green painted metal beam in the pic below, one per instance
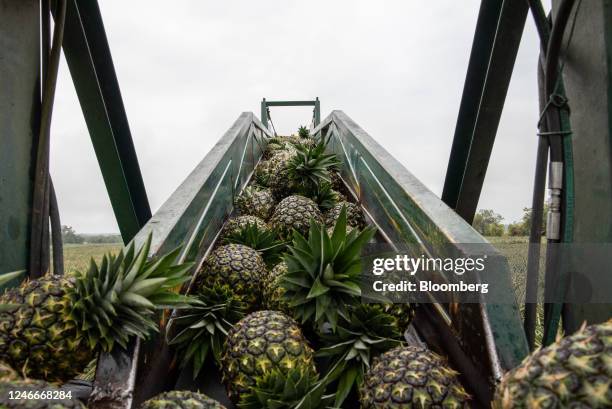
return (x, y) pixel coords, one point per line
(487, 82)
(482, 46)
(90, 64)
(290, 103)
(19, 122)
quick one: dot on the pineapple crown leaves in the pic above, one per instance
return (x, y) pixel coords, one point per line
(5, 278)
(116, 300)
(296, 389)
(204, 326)
(310, 165)
(266, 242)
(303, 132)
(367, 331)
(324, 272)
(322, 194)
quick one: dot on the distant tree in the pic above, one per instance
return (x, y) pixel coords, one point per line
(523, 227)
(488, 223)
(70, 236)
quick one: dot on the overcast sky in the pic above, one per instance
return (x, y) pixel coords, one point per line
(187, 69)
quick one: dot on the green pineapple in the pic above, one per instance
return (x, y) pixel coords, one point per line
(403, 312)
(236, 265)
(573, 372)
(294, 212)
(324, 272)
(366, 332)
(265, 171)
(260, 343)
(265, 241)
(323, 195)
(354, 215)
(256, 202)
(181, 400)
(61, 323)
(202, 329)
(411, 377)
(238, 223)
(272, 291)
(303, 132)
(4, 279)
(296, 389)
(305, 170)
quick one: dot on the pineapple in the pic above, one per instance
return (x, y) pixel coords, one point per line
(354, 215)
(256, 202)
(411, 377)
(266, 170)
(367, 331)
(181, 400)
(294, 212)
(574, 372)
(5, 278)
(324, 273)
(236, 265)
(258, 344)
(305, 170)
(403, 312)
(323, 195)
(303, 132)
(236, 224)
(265, 241)
(296, 389)
(61, 323)
(272, 292)
(202, 328)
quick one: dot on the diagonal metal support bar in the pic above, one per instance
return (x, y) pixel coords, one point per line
(91, 66)
(496, 42)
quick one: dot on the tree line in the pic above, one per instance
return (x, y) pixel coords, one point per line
(489, 223)
(70, 236)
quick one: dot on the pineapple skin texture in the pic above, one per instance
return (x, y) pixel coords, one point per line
(239, 266)
(272, 291)
(259, 203)
(354, 215)
(574, 372)
(260, 342)
(38, 337)
(411, 377)
(181, 400)
(294, 212)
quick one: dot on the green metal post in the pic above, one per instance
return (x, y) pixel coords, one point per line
(19, 122)
(264, 113)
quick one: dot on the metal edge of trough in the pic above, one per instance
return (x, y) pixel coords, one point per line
(500, 325)
(117, 373)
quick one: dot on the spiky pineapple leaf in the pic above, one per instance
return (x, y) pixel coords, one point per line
(266, 242)
(324, 273)
(111, 302)
(203, 327)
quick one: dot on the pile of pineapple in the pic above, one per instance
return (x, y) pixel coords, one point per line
(277, 307)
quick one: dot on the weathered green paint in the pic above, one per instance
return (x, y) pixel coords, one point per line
(191, 217)
(589, 56)
(19, 122)
(97, 90)
(485, 91)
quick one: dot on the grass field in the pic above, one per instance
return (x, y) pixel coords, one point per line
(77, 256)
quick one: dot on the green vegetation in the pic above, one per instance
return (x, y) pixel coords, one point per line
(78, 256)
